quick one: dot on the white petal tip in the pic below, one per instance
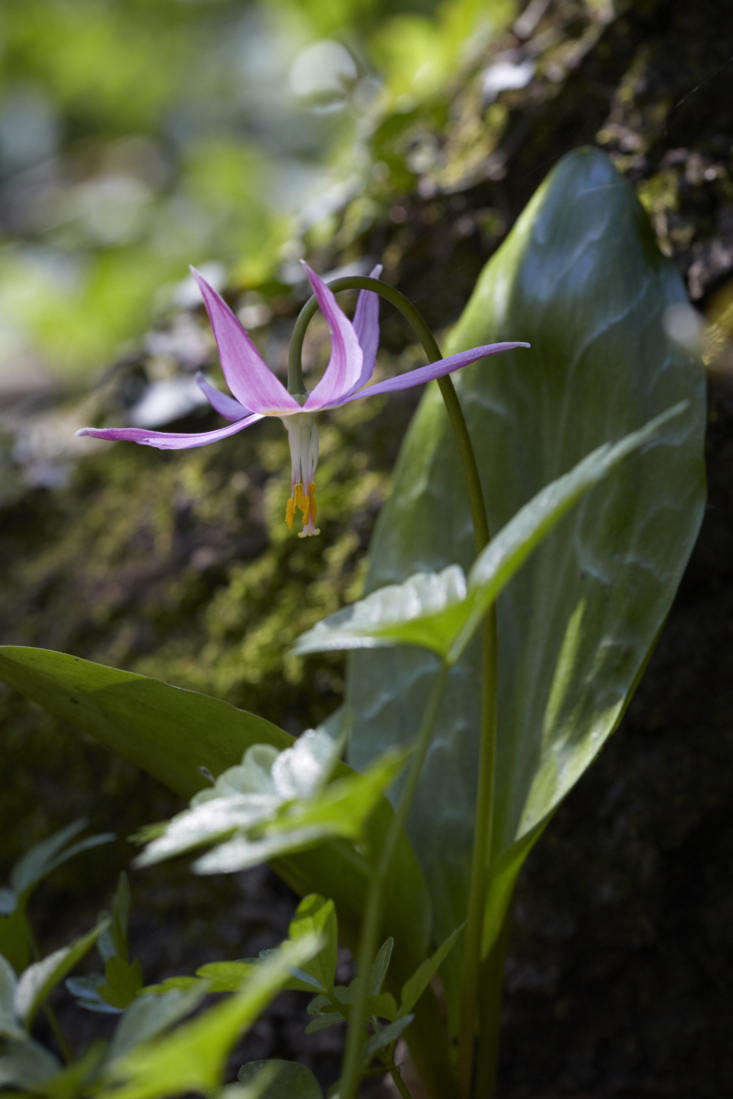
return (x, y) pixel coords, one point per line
(81, 431)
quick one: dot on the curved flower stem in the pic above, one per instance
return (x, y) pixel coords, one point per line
(483, 820)
(351, 1072)
(447, 390)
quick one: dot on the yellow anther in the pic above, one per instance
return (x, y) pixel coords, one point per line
(290, 512)
(306, 505)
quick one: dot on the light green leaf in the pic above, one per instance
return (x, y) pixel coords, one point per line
(413, 988)
(174, 733)
(580, 278)
(193, 1057)
(39, 979)
(316, 915)
(280, 1080)
(151, 1014)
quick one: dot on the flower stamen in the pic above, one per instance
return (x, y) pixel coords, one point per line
(305, 503)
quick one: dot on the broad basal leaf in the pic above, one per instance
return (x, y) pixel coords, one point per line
(581, 278)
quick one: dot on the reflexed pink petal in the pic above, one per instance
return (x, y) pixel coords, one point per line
(247, 374)
(431, 371)
(168, 440)
(344, 366)
(220, 402)
(366, 326)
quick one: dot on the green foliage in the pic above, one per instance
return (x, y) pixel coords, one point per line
(581, 279)
(36, 983)
(193, 1056)
(37, 863)
(121, 981)
(144, 719)
(273, 804)
(442, 611)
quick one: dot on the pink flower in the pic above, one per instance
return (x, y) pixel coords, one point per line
(257, 392)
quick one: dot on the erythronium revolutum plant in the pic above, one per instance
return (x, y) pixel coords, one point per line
(510, 661)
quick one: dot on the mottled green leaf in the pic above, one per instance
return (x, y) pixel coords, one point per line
(426, 610)
(581, 278)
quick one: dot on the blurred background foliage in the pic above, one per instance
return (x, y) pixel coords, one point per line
(138, 136)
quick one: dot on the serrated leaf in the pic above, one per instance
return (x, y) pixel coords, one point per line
(280, 1080)
(193, 1057)
(37, 982)
(581, 279)
(173, 733)
(413, 989)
